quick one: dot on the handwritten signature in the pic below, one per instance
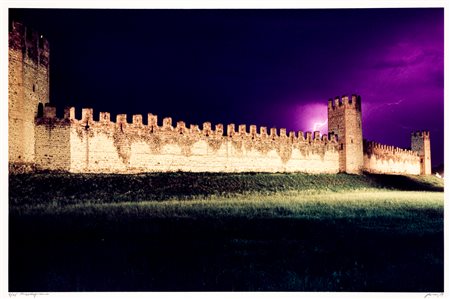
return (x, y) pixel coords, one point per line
(34, 295)
(434, 295)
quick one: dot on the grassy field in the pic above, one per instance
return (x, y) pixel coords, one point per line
(215, 232)
(81, 188)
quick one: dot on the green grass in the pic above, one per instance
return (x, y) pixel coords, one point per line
(47, 188)
(290, 204)
(402, 211)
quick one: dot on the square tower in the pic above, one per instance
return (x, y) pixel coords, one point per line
(420, 143)
(28, 86)
(344, 120)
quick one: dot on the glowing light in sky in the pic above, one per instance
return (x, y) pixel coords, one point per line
(319, 125)
(311, 117)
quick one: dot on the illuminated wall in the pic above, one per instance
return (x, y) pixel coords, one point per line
(104, 146)
(28, 85)
(380, 158)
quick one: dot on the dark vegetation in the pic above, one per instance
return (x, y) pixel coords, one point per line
(98, 233)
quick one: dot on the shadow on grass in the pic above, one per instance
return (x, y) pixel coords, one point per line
(407, 183)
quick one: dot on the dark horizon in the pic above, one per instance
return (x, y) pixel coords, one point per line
(274, 68)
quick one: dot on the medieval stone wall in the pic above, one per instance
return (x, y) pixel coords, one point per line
(52, 148)
(122, 147)
(85, 145)
(380, 158)
(28, 85)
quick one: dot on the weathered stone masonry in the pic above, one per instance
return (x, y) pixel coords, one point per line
(28, 85)
(344, 120)
(86, 145)
(380, 158)
(40, 139)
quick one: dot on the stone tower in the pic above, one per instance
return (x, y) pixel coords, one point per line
(344, 120)
(420, 142)
(28, 86)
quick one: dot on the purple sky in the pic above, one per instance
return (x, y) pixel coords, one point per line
(401, 80)
(265, 67)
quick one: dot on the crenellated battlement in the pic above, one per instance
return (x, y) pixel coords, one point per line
(207, 130)
(344, 102)
(421, 134)
(31, 43)
(49, 117)
(372, 147)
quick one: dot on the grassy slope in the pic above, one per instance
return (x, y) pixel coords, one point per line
(79, 188)
(356, 205)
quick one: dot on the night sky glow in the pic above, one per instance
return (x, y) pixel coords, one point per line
(274, 68)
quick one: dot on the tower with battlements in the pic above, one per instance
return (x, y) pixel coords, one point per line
(344, 120)
(420, 143)
(28, 90)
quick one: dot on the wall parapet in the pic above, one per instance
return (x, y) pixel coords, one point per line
(207, 129)
(375, 148)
